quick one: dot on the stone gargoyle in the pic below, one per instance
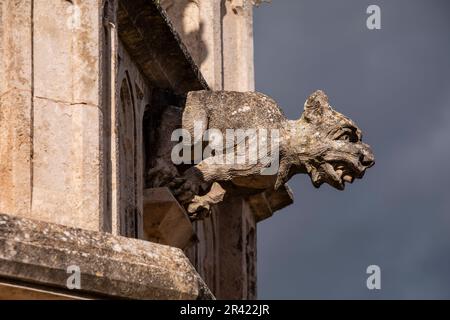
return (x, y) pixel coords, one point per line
(322, 143)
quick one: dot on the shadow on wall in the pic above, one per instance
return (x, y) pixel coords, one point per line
(185, 17)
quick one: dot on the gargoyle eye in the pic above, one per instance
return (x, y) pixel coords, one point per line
(348, 135)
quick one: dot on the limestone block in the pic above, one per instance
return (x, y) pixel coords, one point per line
(198, 23)
(40, 253)
(15, 45)
(237, 250)
(66, 178)
(165, 221)
(238, 46)
(185, 17)
(15, 106)
(66, 51)
(211, 42)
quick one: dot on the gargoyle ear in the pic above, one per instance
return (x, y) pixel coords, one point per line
(316, 105)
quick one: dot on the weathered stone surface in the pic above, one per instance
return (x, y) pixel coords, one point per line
(40, 253)
(149, 36)
(66, 166)
(219, 36)
(16, 85)
(58, 104)
(165, 221)
(238, 70)
(15, 152)
(266, 203)
(67, 112)
(50, 111)
(323, 144)
(67, 32)
(199, 25)
(237, 250)
(62, 68)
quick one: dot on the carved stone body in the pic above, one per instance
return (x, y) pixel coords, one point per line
(322, 143)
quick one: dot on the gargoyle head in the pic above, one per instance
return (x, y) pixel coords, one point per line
(332, 149)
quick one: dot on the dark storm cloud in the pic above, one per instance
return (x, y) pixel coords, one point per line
(395, 83)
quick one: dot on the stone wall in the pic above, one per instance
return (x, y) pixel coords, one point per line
(51, 111)
(76, 78)
(219, 36)
(16, 90)
(225, 256)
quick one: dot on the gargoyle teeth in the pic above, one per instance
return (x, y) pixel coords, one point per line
(328, 168)
(315, 175)
(348, 178)
(339, 172)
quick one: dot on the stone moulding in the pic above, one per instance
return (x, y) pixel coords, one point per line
(149, 36)
(40, 253)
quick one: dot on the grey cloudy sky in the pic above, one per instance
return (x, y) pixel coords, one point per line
(395, 84)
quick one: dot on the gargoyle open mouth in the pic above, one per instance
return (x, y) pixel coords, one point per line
(337, 174)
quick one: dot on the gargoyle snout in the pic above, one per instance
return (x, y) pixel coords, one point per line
(366, 157)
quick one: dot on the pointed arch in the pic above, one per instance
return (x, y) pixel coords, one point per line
(128, 212)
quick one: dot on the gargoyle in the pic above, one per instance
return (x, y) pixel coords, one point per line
(323, 143)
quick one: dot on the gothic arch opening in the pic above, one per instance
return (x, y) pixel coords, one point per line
(147, 142)
(128, 208)
(106, 66)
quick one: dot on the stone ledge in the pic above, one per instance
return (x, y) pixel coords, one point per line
(155, 46)
(39, 253)
(165, 221)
